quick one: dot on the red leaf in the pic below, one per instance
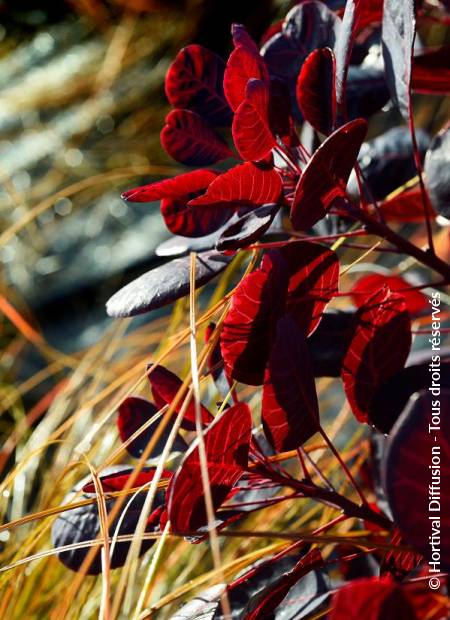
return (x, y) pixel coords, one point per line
(251, 132)
(316, 93)
(117, 481)
(372, 599)
(165, 385)
(431, 71)
(195, 81)
(243, 64)
(226, 445)
(290, 411)
(180, 186)
(325, 176)
(368, 285)
(244, 184)
(192, 141)
(409, 478)
(405, 207)
(192, 221)
(378, 349)
(313, 280)
(250, 324)
(265, 604)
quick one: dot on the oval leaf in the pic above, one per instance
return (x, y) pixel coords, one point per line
(248, 228)
(164, 285)
(325, 177)
(243, 65)
(437, 171)
(165, 385)
(226, 446)
(264, 604)
(134, 412)
(366, 286)
(243, 185)
(178, 187)
(372, 598)
(316, 94)
(190, 140)
(408, 473)
(194, 81)
(250, 323)
(82, 525)
(251, 132)
(378, 350)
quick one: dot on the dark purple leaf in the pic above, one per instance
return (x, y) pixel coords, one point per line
(264, 604)
(165, 284)
(387, 161)
(247, 229)
(343, 49)
(81, 525)
(392, 396)
(397, 35)
(437, 171)
(133, 413)
(307, 26)
(367, 91)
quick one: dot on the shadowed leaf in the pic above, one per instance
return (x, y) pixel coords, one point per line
(133, 413)
(290, 411)
(194, 81)
(187, 138)
(379, 348)
(247, 229)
